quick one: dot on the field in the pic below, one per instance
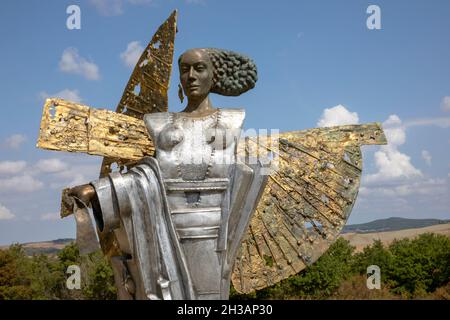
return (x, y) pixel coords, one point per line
(361, 240)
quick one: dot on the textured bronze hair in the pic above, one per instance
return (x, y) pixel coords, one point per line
(233, 73)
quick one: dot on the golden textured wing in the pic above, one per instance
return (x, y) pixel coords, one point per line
(146, 91)
(306, 202)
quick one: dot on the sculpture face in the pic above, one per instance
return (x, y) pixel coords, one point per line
(196, 73)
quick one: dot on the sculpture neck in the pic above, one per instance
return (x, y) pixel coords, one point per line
(199, 106)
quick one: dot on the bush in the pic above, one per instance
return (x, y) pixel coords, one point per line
(23, 277)
(417, 268)
(420, 265)
(317, 281)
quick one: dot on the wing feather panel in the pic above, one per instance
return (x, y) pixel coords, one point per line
(306, 202)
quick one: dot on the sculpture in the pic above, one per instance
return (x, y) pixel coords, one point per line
(199, 211)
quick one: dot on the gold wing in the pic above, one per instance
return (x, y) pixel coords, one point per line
(146, 91)
(306, 202)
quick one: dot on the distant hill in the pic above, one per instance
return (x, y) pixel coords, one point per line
(392, 224)
(45, 247)
(367, 230)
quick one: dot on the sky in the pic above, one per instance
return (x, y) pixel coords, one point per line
(318, 65)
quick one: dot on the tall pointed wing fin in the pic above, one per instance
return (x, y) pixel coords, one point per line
(146, 91)
(306, 202)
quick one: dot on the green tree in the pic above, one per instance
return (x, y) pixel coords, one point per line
(420, 265)
(317, 281)
(375, 254)
(13, 282)
(100, 285)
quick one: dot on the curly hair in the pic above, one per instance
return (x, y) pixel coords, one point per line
(233, 73)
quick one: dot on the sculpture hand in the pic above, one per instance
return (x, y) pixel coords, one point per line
(84, 193)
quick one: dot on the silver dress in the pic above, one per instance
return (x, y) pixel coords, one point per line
(179, 217)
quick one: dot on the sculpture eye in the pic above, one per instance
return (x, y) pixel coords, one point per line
(200, 67)
(184, 69)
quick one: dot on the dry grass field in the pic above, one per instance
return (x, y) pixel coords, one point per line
(361, 240)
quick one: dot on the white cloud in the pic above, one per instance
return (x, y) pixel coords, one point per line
(67, 94)
(12, 167)
(132, 54)
(406, 187)
(441, 122)
(196, 1)
(108, 7)
(72, 62)
(74, 177)
(426, 156)
(336, 116)
(5, 214)
(14, 141)
(115, 7)
(139, 2)
(445, 104)
(50, 216)
(51, 165)
(390, 162)
(22, 183)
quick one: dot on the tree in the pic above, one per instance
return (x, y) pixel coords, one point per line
(317, 281)
(420, 265)
(376, 254)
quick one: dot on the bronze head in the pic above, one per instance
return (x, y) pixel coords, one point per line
(219, 71)
(196, 73)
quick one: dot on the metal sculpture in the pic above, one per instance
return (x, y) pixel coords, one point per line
(192, 206)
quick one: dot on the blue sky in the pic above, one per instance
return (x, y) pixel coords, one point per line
(318, 63)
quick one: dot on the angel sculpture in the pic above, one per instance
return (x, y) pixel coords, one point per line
(191, 206)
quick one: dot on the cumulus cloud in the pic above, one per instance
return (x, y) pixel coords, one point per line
(132, 54)
(5, 214)
(51, 165)
(76, 176)
(441, 122)
(390, 162)
(50, 216)
(12, 167)
(115, 7)
(445, 104)
(67, 94)
(426, 156)
(139, 2)
(21, 183)
(108, 7)
(338, 115)
(196, 1)
(410, 187)
(15, 141)
(72, 62)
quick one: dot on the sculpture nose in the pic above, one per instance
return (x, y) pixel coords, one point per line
(191, 73)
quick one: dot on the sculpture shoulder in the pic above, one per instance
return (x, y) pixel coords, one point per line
(158, 120)
(232, 118)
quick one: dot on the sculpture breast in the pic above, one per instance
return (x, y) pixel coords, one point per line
(197, 159)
